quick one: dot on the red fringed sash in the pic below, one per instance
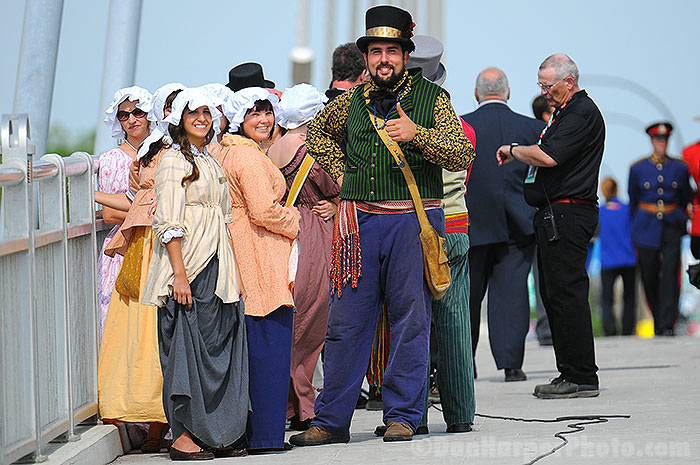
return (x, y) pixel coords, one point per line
(346, 256)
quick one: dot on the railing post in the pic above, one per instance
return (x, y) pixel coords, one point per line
(82, 202)
(16, 145)
(54, 213)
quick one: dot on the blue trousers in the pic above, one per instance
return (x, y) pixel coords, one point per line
(392, 271)
(269, 358)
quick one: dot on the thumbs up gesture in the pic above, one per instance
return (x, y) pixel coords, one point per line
(401, 129)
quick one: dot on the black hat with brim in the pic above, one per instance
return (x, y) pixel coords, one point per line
(660, 129)
(386, 23)
(248, 75)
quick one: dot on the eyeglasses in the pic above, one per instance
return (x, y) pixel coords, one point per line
(124, 115)
(546, 87)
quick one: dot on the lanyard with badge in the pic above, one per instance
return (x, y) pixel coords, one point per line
(532, 170)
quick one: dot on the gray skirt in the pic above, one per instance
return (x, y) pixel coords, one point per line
(204, 357)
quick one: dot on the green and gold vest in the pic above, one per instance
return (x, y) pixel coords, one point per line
(371, 174)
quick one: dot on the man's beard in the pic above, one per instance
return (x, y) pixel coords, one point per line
(387, 83)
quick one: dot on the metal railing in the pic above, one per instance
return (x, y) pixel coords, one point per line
(48, 294)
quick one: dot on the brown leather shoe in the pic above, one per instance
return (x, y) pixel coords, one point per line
(397, 431)
(315, 436)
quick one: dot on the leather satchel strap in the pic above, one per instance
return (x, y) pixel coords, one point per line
(400, 159)
(299, 180)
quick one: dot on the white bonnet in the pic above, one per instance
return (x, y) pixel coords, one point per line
(245, 99)
(299, 105)
(193, 98)
(159, 128)
(128, 93)
(159, 97)
(223, 96)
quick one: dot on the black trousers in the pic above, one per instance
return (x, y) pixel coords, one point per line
(608, 277)
(660, 272)
(564, 288)
(502, 268)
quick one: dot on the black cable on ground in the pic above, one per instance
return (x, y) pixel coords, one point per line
(578, 426)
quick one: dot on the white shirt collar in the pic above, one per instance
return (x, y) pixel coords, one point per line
(486, 102)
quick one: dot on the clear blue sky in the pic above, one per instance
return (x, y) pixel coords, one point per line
(197, 42)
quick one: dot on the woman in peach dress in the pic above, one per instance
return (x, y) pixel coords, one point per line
(262, 232)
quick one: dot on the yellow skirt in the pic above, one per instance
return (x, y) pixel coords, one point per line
(129, 376)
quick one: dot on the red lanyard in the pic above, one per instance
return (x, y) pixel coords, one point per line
(550, 122)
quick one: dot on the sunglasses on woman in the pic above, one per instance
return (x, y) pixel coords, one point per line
(124, 115)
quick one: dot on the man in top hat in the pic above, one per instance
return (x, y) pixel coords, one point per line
(501, 232)
(659, 192)
(377, 254)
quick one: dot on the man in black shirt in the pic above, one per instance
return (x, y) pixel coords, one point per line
(562, 183)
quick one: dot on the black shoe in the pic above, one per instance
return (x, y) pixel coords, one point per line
(515, 374)
(295, 424)
(546, 341)
(375, 399)
(179, 455)
(361, 401)
(374, 405)
(560, 388)
(459, 428)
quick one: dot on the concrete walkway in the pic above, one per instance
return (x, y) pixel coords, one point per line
(656, 381)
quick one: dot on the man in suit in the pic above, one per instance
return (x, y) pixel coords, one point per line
(501, 233)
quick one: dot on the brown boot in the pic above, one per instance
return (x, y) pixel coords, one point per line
(397, 431)
(315, 436)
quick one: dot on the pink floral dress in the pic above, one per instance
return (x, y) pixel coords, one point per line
(112, 178)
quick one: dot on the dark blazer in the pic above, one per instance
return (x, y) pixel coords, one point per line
(497, 208)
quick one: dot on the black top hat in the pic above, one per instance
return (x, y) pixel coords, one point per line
(660, 129)
(386, 23)
(247, 75)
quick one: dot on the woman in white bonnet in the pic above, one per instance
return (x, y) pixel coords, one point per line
(126, 117)
(192, 279)
(262, 232)
(317, 203)
(129, 378)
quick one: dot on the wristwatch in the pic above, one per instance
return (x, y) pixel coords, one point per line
(512, 144)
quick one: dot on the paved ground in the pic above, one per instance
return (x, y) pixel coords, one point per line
(656, 381)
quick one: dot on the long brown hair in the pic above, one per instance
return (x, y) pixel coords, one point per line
(180, 137)
(159, 144)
